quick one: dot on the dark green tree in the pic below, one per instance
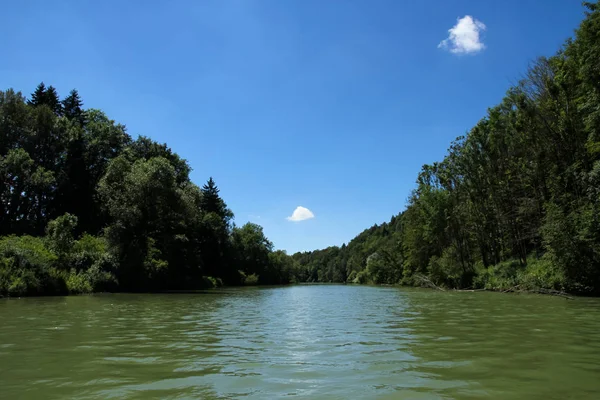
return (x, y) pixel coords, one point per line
(52, 100)
(47, 96)
(213, 203)
(38, 97)
(73, 107)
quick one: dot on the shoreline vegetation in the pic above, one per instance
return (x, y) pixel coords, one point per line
(86, 208)
(514, 205)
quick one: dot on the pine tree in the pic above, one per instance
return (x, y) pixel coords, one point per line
(216, 226)
(46, 96)
(38, 96)
(212, 202)
(72, 107)
(53, 101)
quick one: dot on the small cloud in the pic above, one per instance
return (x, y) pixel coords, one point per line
(301, 214)
(465, 37)
(252, 216)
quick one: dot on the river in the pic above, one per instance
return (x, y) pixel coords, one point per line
(322, 341)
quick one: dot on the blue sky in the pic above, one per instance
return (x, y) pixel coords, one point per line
(329, 105)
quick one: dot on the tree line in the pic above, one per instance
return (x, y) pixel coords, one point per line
(84, 207)
(514, 203)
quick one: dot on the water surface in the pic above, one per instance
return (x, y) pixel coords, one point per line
(322, 341)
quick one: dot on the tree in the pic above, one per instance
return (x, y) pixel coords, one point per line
(46, 96)
(216, 228)
(144, 147)
(24, 197)
(73, 108)
(117, 213)
(144, 203)
(251, 251)
(59, 233)
(514, 201)
(212, 202)
(38, 97)
(53, 101)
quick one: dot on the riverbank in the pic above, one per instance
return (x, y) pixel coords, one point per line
(536, 274)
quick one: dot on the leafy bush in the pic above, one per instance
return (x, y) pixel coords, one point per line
(251, 280)
(27, 267)
(211, 282)
(448, 271)
(351, 277)
(542, 273)
(59, 234)
(497, 277)
(90, 255)
(362, 277)
(78, 282)
(101, 280)
(379, 269)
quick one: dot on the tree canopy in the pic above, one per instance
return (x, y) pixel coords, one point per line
(515, 202)
(85, 207)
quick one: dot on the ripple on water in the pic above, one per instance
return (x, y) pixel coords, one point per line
(303, 341)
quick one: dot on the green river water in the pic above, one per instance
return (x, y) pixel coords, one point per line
(322, 341)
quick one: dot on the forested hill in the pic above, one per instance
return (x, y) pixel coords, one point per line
(84, 207)
(514, 204)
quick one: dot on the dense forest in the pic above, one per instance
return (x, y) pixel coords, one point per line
(84, 207)
(514, 204)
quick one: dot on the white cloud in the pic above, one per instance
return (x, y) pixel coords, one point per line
(464, 37)
(300, 214)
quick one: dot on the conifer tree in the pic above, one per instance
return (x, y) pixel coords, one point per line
(73, 107)
(38, 96)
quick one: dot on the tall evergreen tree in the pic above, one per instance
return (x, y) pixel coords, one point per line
(73, 107)
(38, 97)
(213, 203)
(216, 219)
(53, 101)
(46, 96)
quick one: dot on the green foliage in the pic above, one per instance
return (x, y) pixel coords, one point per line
(73, 108)
(78, 282)
(212, 203)
(362, 277)
(251, 250)
(352, 277)
(27, 267)
(46, 96)
(153, 263)
(251, 280)
(281, 269)
(59, 234)
(380, 270)
(515, 202)
(498, 277)
(540, 273)
(91, 255)
(117, 213)
(40, 266)
(543, 273)
(210, 282)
